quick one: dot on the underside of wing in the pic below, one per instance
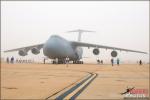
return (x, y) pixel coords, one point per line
(81, 44)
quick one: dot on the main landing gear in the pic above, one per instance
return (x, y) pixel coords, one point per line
(63, 61)
(77, 62)
(58, 62)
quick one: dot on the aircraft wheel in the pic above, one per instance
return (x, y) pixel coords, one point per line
(73, 62)
(79, 62)
(54, 62)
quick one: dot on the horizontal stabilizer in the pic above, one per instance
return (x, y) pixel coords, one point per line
(79, 30)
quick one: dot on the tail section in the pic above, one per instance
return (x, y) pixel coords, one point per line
(80, 32)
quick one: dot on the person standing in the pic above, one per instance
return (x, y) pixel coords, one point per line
(12, 59)
(101, 61)
(44, 60)
(57, 61)
(7, 60)
(67, 60)
(112, 61)
(17, 60)
(118, 61)
(98, 61)
(140, 62)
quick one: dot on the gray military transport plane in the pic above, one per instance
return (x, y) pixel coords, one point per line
(60, 48)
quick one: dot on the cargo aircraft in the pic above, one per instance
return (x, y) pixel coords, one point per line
(59, 48)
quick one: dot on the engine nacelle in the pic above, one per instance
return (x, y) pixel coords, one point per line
(35, 50)
(96, 51)
(114, 53)
(22, 53)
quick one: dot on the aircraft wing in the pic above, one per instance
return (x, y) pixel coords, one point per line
(81, 44)
(39, 46)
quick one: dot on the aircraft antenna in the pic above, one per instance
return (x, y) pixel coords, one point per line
(80, 33)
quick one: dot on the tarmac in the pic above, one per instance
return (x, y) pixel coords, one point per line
(42, 81)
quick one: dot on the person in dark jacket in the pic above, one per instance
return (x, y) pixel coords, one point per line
(112, 61)
(7, 60)
(118, 61)
(12, 59)
(140, 62)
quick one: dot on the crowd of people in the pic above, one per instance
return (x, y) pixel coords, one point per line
(99, 61)
(117, 61)
(12, 60)
(112, 61)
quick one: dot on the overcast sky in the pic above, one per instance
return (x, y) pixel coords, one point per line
(123, 24)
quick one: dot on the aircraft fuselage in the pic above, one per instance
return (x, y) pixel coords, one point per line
(58, 47)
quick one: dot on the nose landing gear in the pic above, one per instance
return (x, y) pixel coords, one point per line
(58, 61)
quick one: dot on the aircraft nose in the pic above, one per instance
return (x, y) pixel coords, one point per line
(52, 46)
(52, 43)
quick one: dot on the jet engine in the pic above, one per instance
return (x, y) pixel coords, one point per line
(96, 51)
(35, 50)
(114, 53)
(22, 53)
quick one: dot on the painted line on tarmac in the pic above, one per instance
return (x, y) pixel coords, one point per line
(74, 90)
(55, 95)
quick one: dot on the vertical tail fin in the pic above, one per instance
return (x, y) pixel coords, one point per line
(80, 32)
